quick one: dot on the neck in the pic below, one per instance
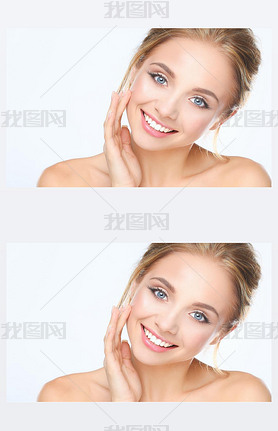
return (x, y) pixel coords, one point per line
(165, 383)
(164, 168)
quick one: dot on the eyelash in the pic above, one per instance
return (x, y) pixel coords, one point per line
(154, 75)
(158, 289)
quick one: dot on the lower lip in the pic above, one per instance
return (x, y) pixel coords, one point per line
(152, 131)
(153, 346)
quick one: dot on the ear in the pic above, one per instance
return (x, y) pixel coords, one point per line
(221, 334)
(220, 121)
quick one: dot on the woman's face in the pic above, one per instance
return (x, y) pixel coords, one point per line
(183, 300)
(186, 92)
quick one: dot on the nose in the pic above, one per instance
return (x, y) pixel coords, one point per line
(167, 106)
(167, 323)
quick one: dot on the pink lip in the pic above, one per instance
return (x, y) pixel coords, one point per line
(152, 131)
(153, 346)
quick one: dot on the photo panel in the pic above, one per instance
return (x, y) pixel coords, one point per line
(60, 296)
(59, 87)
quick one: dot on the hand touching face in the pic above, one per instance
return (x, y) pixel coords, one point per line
(124, 382)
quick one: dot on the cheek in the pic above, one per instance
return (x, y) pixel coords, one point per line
(199, 121)
(141, 90)
(141, 304)
(196, 338)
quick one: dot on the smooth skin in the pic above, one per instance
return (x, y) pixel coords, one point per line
(138, 159)
(143, 375)
(118, 380)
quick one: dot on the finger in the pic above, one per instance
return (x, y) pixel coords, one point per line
(112, 357)
(110, 333)
(125, 135)
(121, 323)
(112, 125)
(112, 105)
(110, 117)
(126, 358)
(125, 350)
(109, 110)
(111, 318)
(122, 104)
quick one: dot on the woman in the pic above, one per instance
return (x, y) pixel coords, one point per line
(179, 299)
(180, 84)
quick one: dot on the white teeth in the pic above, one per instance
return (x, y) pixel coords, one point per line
(156, 126)
(155, 340)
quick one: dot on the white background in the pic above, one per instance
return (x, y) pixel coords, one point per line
(70, 69)
(37, 272)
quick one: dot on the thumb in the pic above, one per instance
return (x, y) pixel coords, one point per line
(126, 358)
(125, 135)
(125, 350)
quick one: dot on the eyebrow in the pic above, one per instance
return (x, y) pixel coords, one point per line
(197, 89)
(205, 91)
(206, 306)
(196, 304)
(166, 68)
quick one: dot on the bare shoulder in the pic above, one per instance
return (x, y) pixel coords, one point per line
(83, 172)
(241, 386)
(78, 387)
(244, 172)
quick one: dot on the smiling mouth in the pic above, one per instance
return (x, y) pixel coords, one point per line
(157, 126)
(157, 341)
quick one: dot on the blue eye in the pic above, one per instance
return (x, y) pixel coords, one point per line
(200, 102)
(200, 317)
(159, 293)
(158, 75)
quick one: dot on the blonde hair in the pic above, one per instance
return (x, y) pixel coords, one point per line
(238, 259)
(238, 44)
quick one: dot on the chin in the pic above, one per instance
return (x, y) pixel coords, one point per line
(147, 359)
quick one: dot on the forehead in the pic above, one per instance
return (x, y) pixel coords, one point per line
(199, 63)
(196, 277)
